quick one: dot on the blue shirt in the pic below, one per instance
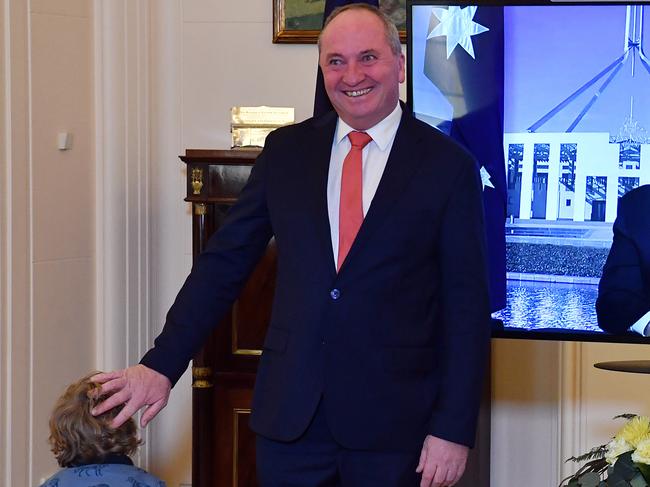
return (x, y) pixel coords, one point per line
(103, 475)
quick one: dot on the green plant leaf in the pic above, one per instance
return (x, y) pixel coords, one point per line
(599, 466)
(590, 479)
(615, 480)
(617, 483)
(569, 482)
(645, 471)
(638, 481)
(596, 452)
(625, 467)
(627, 416)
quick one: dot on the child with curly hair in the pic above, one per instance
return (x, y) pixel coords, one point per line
(91, 452)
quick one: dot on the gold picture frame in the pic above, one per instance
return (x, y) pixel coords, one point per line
(299, 21)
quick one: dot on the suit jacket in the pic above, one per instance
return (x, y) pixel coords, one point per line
(624, 289)
(395, 343)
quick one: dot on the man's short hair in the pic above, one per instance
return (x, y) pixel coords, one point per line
(77, 437)
(392, 35)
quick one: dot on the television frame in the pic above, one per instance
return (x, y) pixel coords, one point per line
(509, 332)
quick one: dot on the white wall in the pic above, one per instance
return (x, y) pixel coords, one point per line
(524, 412)
(47, 235)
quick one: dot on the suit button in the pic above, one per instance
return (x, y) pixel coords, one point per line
(335, 294)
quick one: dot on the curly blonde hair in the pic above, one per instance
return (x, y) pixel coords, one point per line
(77, 437)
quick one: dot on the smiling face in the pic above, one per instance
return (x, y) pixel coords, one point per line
(361, 72)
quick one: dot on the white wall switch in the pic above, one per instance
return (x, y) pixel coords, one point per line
(64, 140)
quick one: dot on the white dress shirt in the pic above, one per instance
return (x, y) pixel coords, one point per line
(641, 326)
(374, 158)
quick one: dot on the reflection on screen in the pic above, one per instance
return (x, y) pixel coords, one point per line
(576, 110)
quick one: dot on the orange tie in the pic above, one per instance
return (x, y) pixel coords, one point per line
(351, 202)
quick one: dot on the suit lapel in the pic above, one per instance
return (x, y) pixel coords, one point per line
(400, 167)
(316, 148)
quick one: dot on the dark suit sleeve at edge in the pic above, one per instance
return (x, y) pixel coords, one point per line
(465, 331)
(622, 296)
(217, 277)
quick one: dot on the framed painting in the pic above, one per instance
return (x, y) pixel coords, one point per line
(300, 21)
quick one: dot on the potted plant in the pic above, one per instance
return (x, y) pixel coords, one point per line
(623, 462)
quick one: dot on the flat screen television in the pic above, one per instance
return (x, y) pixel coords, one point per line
(553, 99)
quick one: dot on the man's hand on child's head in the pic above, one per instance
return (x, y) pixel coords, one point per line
(135, 387)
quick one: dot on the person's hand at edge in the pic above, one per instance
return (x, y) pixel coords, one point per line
(136, 387)
(442, 462)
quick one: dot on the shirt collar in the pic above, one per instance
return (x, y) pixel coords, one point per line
(382, 133)
(111, 458)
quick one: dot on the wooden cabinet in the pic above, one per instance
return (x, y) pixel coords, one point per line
(223, 372)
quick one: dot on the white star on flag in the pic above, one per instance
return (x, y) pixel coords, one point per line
(485, 179)
(458, 25)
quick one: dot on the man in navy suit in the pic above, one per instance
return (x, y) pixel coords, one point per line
(624, 291)
(374, 357)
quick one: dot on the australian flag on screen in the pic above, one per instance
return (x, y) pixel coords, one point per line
(463, 59)
(322, 103)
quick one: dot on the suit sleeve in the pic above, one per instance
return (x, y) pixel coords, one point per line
(622, 295)
(465, 327)
(217, 277)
